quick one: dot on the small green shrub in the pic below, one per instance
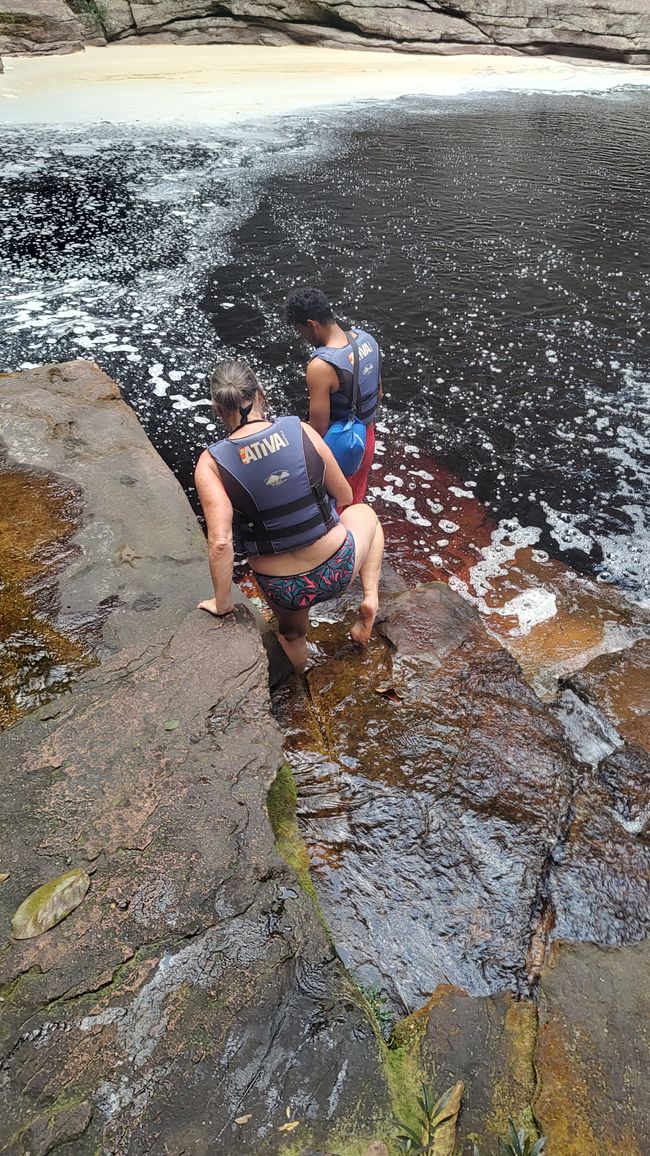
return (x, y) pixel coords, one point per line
(91, 8)
(380, 1009)
(431, 1117)
(517, 1143)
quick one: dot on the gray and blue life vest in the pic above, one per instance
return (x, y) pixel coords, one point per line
(369, 377)
(275, 482)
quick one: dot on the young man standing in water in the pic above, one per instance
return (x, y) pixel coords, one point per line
(329, 373)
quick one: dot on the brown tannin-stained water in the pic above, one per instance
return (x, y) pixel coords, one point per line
(38, 515)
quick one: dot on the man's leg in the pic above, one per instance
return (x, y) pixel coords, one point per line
(369, 544)
(292, 625)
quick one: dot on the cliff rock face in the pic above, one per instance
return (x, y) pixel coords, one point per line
(613, 29)
(39, 26)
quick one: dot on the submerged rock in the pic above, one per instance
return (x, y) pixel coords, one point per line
(452, 834)
(619, 685)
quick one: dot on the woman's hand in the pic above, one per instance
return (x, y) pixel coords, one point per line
(210, 604)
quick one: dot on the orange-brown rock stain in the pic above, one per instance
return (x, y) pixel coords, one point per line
(38, 515)
(566, 1091)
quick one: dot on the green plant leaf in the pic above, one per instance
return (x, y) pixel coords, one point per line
(538, 1147)
(49, 904)
(409, 1133)
(172, 723)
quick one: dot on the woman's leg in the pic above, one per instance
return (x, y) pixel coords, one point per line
(369, 543)
(292, 625)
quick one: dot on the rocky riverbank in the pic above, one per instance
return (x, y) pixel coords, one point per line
(615, 30)
(198, 996)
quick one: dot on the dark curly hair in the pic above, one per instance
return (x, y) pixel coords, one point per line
(308, 304)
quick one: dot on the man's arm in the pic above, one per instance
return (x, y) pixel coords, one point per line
(217, 511)
(321, 378)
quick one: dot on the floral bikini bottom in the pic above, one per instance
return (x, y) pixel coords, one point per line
(299, 591)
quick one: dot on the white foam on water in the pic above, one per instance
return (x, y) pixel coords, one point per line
(530, 607)
(181, 402)
(565, 530)
(506, 539)
(405, 504)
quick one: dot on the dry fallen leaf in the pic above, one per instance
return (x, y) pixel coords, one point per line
(3, 875)
(444, 1143)
(243, 1119)
(289, 1127)
(49, 904)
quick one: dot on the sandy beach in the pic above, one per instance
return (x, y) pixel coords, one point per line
(224, 83)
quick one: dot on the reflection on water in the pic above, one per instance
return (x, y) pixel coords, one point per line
(38, 514)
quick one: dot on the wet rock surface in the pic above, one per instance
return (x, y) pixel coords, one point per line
(572, 1065)
(617, 29)
(452, 833)
(194, 985)
(138, 557)
(193, 996)
(619, 685)
(38, 516)
(98, 543)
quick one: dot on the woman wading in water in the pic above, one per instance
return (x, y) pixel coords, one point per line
(279, 484)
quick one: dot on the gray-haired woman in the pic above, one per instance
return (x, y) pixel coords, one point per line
(280, 484)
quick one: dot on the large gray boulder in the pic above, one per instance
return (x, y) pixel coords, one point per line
(39, 26)
(615, 29)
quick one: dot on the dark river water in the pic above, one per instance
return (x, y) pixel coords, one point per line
(499, 247)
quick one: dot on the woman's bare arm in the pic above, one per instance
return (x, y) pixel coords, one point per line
(217, 511)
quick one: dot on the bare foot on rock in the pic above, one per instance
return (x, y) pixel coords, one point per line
(362, 629)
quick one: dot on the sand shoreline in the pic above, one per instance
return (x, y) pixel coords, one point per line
(220, 84)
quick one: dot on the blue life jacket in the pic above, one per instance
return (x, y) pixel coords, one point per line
(369, 377)
(274, 479)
